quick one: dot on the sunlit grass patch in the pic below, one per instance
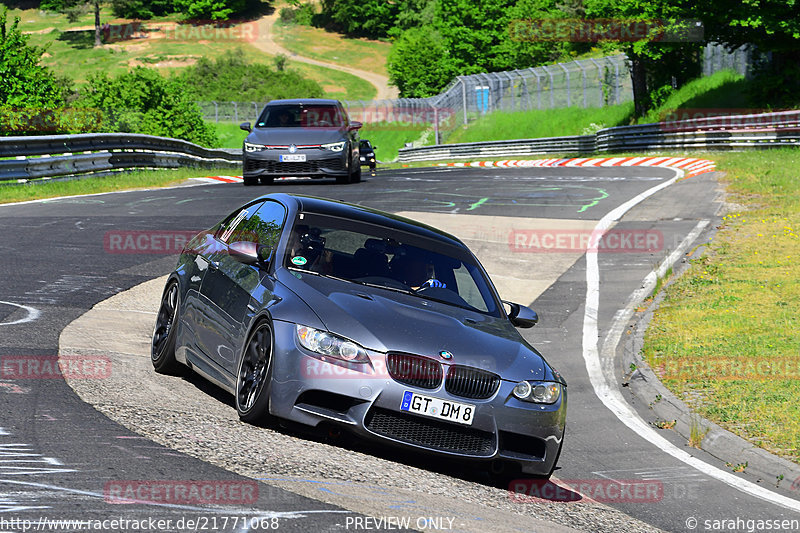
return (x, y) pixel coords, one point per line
(89, 185)
(725, 336)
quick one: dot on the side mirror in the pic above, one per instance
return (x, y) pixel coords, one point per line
(244, 252)
(522, 316)
(374, 147)
(245, 126)
(355, 125)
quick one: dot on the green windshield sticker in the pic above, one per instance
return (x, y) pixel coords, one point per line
(299, 260)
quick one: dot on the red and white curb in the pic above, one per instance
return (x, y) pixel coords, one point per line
(223, 179)
(691, 166)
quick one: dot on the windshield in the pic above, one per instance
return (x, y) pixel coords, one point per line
(386, 258)
(300, 116)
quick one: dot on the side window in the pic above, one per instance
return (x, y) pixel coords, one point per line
(230, 230)
(264, 227)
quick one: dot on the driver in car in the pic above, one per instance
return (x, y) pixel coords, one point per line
(415, 271)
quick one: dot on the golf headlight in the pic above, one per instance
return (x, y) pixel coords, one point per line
(538, 391)
(325, 343)
(250, 147)
(334, 147)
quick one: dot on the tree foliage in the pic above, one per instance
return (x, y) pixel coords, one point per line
(209, 9)
(143, 101)
(24, 82)
(420, 63)
(232, 74)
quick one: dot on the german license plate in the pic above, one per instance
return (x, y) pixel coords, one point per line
(462, 413)
(292, 158)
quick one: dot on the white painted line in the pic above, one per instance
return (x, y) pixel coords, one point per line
(33, 314)
(610, 395)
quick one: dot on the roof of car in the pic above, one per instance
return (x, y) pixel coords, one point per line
(324, 206)
(317, 101)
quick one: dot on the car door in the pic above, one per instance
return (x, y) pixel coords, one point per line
(228, 286)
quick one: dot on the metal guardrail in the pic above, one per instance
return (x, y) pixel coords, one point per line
(735, 132)
(66, 155)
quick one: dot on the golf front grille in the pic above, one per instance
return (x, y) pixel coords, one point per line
(431, 434)
(299, 167)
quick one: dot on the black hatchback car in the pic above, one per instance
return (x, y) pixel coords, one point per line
(302, 137)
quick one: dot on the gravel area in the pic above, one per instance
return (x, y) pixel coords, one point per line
(188, 415)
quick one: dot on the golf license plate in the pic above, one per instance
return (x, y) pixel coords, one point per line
(293, 158)
(462, 413)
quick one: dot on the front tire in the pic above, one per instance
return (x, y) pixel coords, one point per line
(356, 176)
(250, 180)
(162, 346)
(254, 375)
(266, 180)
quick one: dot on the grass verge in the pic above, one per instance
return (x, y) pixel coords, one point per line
(317, 43)
(21, 192)
(724, 339)
(505, 125)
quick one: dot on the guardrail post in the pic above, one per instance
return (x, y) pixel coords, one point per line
(216, 112)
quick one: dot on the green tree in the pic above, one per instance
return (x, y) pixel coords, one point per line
(73, 9)
(773, 26)
(367, 18)
(233, 74)
(209, 9)
(419, 63)
(657, 67)
(24, 82)
(143, 101)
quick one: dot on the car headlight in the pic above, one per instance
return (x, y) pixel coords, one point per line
(334, 147)
(250, 147)
(538, 391)
(325, 343)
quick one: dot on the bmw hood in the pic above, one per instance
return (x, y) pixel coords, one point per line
(389, 321)
(298, 136)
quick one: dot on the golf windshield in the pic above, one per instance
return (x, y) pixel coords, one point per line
(300, 116)
(385, 257)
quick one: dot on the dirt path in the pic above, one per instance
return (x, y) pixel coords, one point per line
(266, 43)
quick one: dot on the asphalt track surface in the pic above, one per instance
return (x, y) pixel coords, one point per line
(57, 454)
